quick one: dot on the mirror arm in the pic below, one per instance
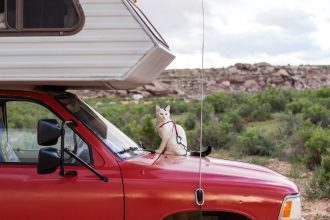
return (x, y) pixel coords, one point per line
(102, 177)
(62, 171)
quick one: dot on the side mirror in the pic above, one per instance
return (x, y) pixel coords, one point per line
(48, 160)
(48, 132)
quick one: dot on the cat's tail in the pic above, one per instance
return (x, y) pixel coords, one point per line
(204, 153)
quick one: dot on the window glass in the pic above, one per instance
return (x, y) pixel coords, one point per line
(49, 14)
(11, 13)
(19, 141)
(111, 136)
(2, 6)
(35, 16)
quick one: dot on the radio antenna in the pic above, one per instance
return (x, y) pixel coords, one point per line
(200, 192)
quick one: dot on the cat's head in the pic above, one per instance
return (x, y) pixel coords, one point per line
(163, 115)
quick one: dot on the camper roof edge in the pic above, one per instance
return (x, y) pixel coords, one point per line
(147, 70)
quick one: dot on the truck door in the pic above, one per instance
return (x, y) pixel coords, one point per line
(24, 194)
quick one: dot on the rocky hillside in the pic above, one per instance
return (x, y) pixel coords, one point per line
(240, 77)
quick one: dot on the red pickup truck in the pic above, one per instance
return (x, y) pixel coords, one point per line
(60, 159)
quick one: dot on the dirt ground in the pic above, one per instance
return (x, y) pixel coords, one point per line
(312, 210)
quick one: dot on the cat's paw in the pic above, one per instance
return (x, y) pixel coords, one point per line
(158, 151)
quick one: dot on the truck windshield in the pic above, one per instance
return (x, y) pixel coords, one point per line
(112, 137)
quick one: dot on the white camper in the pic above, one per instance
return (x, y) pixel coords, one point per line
(78, 44)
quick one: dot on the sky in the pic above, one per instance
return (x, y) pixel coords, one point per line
(279, 32)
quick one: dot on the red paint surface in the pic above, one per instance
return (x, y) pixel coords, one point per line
(140, 188)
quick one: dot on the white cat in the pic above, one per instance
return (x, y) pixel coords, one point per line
(173, 136)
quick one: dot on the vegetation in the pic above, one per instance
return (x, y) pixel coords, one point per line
(286, 124)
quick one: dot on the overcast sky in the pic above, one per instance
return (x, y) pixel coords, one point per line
(276, 31)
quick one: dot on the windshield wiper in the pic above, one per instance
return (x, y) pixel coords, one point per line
(145, 149)
(130, 149)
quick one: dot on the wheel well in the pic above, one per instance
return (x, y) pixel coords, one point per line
(206, 216)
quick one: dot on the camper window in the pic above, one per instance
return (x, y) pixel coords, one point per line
(2, 14)
(20, 17)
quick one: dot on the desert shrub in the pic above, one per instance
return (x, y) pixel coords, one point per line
(147, 132)
(312, 186)
(219, 101)
(121, 114)
(323, 92)
(216, 135)
(324, 175)
(316, 146)
(253, 143)
(237, 99)
(294, 133)
(299, 105)
(234, 120)
(254, 111)
(276, 98)
(131, 130)
(208, 111)
(318, 185)
(190, 122)
(292, 123)
(193, 139)
(317, 114)
(178, 106)
(325, 102)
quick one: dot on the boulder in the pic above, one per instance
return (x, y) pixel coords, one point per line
(157, 88)
(245, 66)
(251, 86)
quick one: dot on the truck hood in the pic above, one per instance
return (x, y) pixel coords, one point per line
(214, 169)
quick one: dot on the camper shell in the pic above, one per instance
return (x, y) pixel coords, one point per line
(104, 44)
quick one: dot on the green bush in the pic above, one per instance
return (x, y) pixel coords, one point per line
(299, 105)
(254, 111)
(316, 146)
(190, 122)
(208, 111)
(276, 98)
(148, 132)
(234, 120)
(219, 101)
(324, 177)
(236, 99)
(216, 135)
(317, 114)
(253, 143)
(193, 139)
(325, 102)
(178, 106)
(318, 186)
(323, 92)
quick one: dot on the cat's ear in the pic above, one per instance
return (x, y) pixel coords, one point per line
(157, 108)
(168, 108)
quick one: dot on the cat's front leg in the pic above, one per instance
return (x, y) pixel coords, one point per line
(162, 146)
